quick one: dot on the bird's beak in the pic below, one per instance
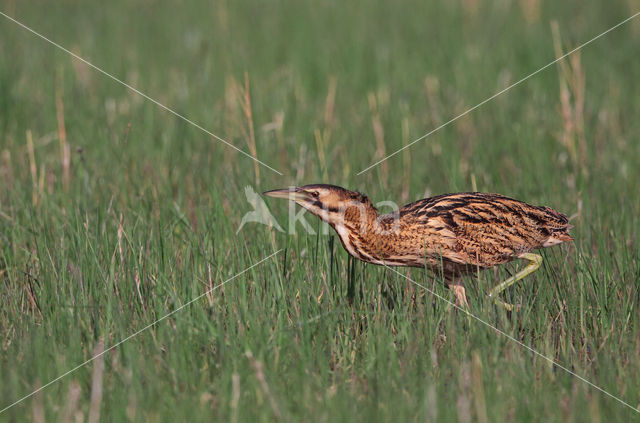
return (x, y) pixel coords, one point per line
(293, 194)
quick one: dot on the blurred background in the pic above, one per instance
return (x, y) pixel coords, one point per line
(114, 211)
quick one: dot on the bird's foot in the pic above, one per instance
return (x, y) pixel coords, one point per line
(507, 306)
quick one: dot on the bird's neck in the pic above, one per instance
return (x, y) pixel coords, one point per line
(361, 218)
(366, 234)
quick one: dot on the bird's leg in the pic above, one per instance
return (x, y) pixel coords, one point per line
(461, 297)
(534, 263)
(458, 290)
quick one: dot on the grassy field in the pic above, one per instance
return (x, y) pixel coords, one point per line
(114, 212)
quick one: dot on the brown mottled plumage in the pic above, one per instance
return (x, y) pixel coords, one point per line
(456, 233)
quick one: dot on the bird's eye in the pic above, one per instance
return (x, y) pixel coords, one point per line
(315, 194)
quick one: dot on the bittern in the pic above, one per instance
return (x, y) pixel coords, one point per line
(456, 234)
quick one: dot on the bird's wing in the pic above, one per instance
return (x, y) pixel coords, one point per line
(486, 229)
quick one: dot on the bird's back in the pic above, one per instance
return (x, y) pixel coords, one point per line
(478, 229)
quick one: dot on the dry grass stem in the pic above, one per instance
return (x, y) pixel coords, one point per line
(65, 150)
(96, 383)
(378, 132)
(572, 83)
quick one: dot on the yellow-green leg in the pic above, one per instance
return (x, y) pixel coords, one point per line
(534, 263)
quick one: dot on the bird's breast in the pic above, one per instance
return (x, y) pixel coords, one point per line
(392, 246)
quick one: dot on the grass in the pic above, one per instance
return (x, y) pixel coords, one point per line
(114, 213)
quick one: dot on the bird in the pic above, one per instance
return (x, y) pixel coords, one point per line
(456, 234)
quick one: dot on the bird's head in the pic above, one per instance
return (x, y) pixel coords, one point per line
(330, 203)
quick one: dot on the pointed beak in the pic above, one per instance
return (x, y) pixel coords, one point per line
(293, 194)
